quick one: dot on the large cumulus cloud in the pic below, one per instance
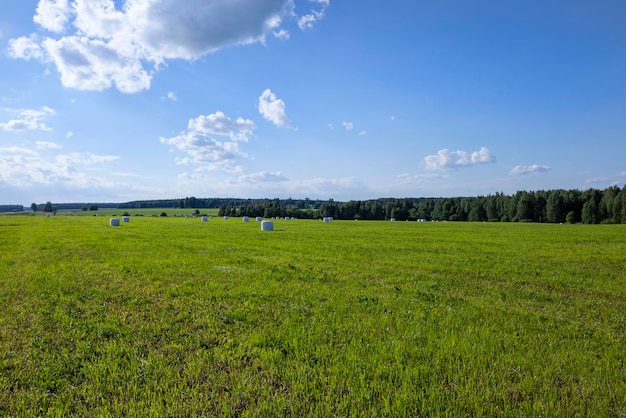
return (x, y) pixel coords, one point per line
(94, 45)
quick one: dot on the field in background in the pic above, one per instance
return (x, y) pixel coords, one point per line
(175, 317)
(133, 212)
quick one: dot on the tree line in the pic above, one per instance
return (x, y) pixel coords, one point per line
(590, 206)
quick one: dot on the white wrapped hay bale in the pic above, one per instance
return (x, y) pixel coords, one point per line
(225, 218)
(245, 219)
(114, 222)
(259, 219)
(267, 226)
(125, 218)
(204, 219)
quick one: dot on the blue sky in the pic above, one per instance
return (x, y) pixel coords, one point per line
(120, 100)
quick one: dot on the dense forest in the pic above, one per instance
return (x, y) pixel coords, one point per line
(590, 206)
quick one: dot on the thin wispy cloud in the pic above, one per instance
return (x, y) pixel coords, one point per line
(25, 168)
(47, 145)
(263, 176)
(28, 120)
(613, 180)
(315, 15)
(524, 170)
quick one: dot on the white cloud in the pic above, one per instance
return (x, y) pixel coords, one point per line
(47, 145)
(69, 134)
(92, 64)
(268, 184)
(95, 44)
(52, 15)
(309, 20)
(363, 133)
(85, 158)
(204, 151)
(281, 34)
(263, 176)
(273, 108)
(220, 124)
(419, 178)
(171, 96)
(28, 120)
(445, 159)
(614, 180)
(348, 126)
(208, 153)
(21, 167)
(522, 170)
(25, 48)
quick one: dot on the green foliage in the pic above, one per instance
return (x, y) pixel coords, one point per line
(174, 317)
(552, 206)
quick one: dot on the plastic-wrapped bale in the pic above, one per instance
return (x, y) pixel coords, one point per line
(204, 219)
(114, 222)
(259, 219)
(245, 219)
(267, 226)
(225, 218)
(125, 219)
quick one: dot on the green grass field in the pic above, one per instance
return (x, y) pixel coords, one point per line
(175, 317)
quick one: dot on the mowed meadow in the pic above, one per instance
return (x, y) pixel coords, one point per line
(168, 316)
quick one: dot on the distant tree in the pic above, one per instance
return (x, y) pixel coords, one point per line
(589, 214)
(48, 207)
(570, 218)
(607, 204)
(591, 207)
(163, 214)
(491, 208)
(619, 207)
(525, 207)
(477, 213)
(33, 207)
(555, 206)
